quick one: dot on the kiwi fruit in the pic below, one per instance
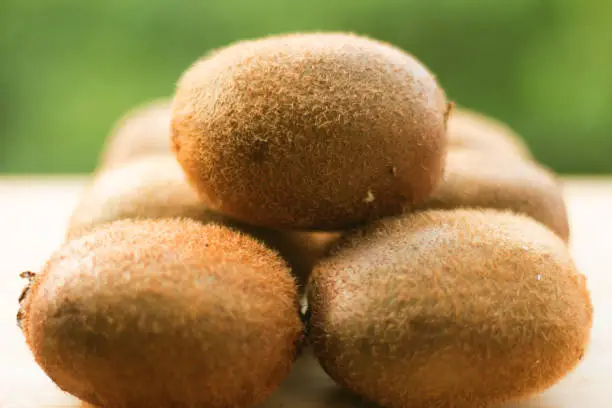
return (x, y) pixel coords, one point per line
(154, 187)
(143, 130)
(301, 249)
(310, 130)
(474, 179)
(163, 313)
(148, 187)
(449, 308)
(469, 129)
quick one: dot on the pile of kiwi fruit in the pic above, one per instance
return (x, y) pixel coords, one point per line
(310, 190)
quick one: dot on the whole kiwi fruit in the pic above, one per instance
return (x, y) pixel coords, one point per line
(474, 179)
(310, 130)
(143, 130)
(154, 187)
(163, 313)
(449, 308)
(469, 129)
(151, 187)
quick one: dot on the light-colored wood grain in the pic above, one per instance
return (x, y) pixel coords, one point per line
(33, 213)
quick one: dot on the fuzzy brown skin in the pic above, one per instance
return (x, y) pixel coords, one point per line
(154, 187)
(148, 187)
(166, 313)
(468, 129)
(310, 131)
(474, 179)
(301, 249)
(449, 309)
(142, 131)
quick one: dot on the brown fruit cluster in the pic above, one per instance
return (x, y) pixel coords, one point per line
(429, 244)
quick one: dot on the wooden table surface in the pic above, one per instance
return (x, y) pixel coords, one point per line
(33, 213)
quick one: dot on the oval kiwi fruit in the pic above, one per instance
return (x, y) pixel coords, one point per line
(474, 179)
(154, 187)
(148, 187)
(163, 313)
(468, 129)
(310, 131)
(143, 130)
(449, 308)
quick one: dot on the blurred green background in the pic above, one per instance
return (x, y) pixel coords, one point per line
(70, 69)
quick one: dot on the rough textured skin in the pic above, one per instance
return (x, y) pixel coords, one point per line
(474, 179)
(142, 131)
(301, 249)
(148, 187)
(469, 129)
(164, 314)
(449, 309)
(310, 131)
(154, 187)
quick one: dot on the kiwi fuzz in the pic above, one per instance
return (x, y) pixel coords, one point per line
(143, 130)
(449, 308)
(171, 313)
(278, 164)
(301, 249)
(471, 130)
(149, 187)
(474, 179)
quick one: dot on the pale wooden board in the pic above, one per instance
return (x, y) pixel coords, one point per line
(33, 213)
